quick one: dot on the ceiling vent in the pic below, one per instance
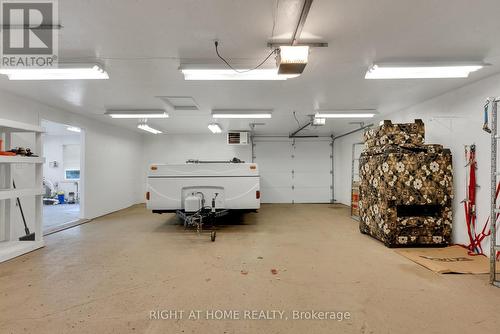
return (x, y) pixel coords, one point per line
(180, 103)
(237, 138)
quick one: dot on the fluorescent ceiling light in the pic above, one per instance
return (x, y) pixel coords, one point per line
(228, 74)
(360, 113)
(241, 113)
(74, 129)
(215, 128)
(117, 115)
(134, 113)
(421, 71)
(147, 128)
(63, 72)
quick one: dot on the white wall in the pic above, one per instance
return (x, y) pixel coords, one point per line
(113, 166)
(454, 119)
(180, 148)
(113, 155)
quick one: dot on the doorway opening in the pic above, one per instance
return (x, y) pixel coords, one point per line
(62, 176)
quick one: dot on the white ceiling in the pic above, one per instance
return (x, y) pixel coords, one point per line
(141, 44)
(57, 129)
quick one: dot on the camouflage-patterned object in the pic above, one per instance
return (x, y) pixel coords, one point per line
(395, 134)
(406, 193)
(391, 148)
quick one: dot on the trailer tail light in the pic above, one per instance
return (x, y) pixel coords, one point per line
(154, 167)
(147, 196)
(257, 194)
(253, 167)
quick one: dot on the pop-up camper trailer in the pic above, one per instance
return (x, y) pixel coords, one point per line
(200, 190)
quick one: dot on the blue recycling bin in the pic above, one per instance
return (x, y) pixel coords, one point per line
(60, 198)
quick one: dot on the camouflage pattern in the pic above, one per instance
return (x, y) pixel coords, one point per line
(393, 176)
(391, 148)
(395, 134)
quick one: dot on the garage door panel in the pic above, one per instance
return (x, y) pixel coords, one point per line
(311, 194)
(270, 152)
(312, 179)
(276, 195)
(274, 160)
(270, 166)
(321, 167)
(311, 165)
(312, 156)
(274, 179)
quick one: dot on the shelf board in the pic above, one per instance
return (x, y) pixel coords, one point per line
(7, 125)
(13, 193)
(4, 159)
(12, 249)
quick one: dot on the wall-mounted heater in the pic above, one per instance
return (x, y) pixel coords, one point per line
(237, 138)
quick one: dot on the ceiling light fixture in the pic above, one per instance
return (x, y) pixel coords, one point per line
(421, 71)
(74, 129)
(242, 113)
(229, 74)
(292, 59)
(62, 72)
(136, 113)
(145, 127)
(215, 128)
(358, 113)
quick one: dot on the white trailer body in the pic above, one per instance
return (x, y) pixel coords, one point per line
(234, 186)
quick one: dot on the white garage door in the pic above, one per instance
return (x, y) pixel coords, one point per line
(294, 173)
(274, 160)
(312, 178)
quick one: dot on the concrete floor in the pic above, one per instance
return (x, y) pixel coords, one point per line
(55, 215)
(106, 276)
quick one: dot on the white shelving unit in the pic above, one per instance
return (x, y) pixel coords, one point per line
(11, 247)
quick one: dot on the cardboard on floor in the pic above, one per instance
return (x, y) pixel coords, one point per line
(448, 260)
